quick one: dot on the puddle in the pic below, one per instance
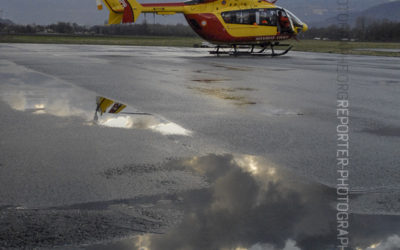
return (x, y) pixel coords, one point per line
(244, 89)
(210, 80)
(379, 50)
(387, 131)
(246, 202)
(234, 68)
(395, 83)
(32, 228)
(250, 203)
(226, 94)
(110, 113)
(47, 96)
(264, 207)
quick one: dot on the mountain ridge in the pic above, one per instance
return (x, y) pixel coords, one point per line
(389, 11)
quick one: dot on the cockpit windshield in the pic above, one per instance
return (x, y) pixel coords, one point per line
(296, 21)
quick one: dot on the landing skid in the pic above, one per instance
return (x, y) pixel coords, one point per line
(263, 50)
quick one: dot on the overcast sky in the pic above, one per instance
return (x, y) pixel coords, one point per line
(78, 11)
(85, 11)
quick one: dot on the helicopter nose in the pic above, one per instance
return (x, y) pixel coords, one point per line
(305, 27)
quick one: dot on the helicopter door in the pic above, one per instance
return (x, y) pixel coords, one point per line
(285, 23)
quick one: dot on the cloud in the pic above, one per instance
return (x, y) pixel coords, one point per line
(255, 205)
(391, 243)
(247, 209)
(290, 245)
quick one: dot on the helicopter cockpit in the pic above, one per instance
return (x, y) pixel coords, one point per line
(266, 17)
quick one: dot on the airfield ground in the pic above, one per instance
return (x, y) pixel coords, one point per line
(247, 143)
(354, 48)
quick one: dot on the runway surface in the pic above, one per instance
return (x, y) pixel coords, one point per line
(219, 129)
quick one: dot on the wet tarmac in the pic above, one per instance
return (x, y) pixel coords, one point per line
(381, 50)
(206, 143)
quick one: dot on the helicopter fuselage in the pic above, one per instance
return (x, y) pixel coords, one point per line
(220, 21)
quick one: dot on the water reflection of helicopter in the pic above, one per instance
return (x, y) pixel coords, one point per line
(232, 24)
(104, 105)
(118, 115)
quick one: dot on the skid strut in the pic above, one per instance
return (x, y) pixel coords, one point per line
(238, 50)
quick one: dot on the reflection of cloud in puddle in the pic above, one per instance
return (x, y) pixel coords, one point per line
(254, 204)
(392, 242)
(64, 108)
(170, 128)
(16, 100)
(142, 122)
(117, 122)
(43, 102)
(72, 102)
(143, 242)
(47, 95)
(248, 163)
(261, 209)
(289, 245)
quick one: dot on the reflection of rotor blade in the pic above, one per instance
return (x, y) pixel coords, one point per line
(133, 113)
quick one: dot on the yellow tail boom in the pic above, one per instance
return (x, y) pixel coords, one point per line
(127, 11)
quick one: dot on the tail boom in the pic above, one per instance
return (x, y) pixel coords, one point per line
(127, 11)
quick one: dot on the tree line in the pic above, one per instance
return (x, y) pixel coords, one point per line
(144, 29)
(363, 30)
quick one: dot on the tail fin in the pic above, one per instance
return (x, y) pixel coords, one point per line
(125, 11)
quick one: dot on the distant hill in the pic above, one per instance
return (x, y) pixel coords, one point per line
(389, 11)
(386, 11)
(315, 11)
(5, 21)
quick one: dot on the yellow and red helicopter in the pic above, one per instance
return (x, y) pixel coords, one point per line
(230, 24)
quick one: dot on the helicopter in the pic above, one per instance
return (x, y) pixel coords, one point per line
(235, 27)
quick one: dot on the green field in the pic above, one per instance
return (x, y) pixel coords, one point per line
(302, 45)
(346, 47)
(103, 40)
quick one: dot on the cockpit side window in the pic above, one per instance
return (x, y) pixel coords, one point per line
(193, 2)
(239, 17)
(296, 21)
(265, 17)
